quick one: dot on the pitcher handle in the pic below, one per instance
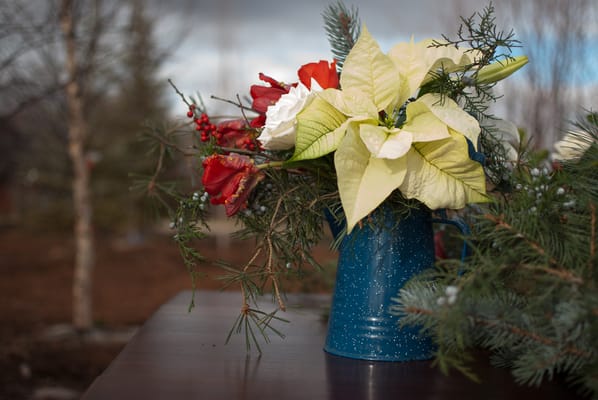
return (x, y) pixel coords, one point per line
(460, 224)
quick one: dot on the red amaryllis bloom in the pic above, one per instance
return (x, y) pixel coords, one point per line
(236, 134)
(258, 121)
(323, 72)
(264, 96)
(229, 179)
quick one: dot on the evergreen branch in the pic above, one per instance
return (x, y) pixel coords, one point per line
(268, 237)
(343, 28)
(573, 350)
(151, 186)
(531, 335)
(273, 276)
(166, 143)
(560, 272)
(592, 232)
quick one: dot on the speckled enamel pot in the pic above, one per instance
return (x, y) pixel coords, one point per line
(374, 263)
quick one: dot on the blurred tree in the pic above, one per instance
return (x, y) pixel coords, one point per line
(560, 80)
(78, 131)
(559, 39)
(28, 77)
(78, 78)
(137, 102)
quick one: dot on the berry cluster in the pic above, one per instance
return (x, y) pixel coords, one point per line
(231, 133)
(202, 124)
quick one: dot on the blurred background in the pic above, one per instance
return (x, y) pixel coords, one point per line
(80, 83)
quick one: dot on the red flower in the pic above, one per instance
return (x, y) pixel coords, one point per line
(264, 96)
(236, 134)
(258, 121)
(323, 72)
(229, 179)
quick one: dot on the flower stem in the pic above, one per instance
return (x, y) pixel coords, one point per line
(270, 164)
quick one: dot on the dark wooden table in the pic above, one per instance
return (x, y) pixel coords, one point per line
(181, 355)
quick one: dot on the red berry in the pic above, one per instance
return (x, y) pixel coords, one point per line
(190, 114)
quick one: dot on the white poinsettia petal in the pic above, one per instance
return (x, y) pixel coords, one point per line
(423, 125)
(441, 175)
(369, 70)
(351, 102)
(364, 182)
(320, 128)
(385, 143)
(449, 112)
(408, 57)
(417, 62)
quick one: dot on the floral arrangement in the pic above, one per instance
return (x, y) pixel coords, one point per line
(406, 128)
(386, 132)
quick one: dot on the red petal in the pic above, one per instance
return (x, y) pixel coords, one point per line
(273, 82)
(264, 96)
(229, 180)
(218, 169)
(323, 72)
(238, 201)
(258, 122)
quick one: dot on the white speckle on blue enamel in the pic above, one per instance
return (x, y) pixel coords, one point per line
(374, 263)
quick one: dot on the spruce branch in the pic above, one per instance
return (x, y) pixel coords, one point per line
(560, 271)
(528, 291)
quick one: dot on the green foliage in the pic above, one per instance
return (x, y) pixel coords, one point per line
(133, 110)
(490, 44)
(342, 26)
(529, 291)
(285, 213)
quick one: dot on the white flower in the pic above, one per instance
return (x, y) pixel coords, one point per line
(507, 134)
(281, 124)
(572, 146)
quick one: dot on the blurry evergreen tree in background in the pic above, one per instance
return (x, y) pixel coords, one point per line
(122, 93)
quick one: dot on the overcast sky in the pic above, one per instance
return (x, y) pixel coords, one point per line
(225, 44)
(222, 45)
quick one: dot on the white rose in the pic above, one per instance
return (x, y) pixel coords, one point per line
(281, 124)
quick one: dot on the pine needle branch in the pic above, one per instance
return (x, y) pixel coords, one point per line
(342, 26)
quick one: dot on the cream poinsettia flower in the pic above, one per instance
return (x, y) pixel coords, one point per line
(425, 156)
(418, 62)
